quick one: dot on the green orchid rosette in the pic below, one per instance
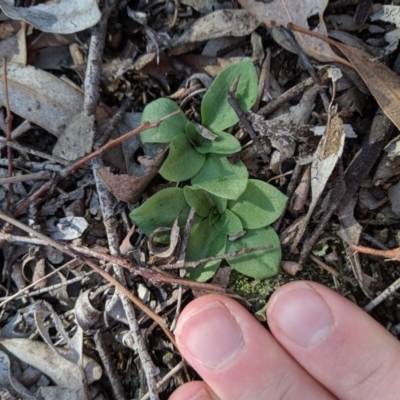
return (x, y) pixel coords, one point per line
(217, 221)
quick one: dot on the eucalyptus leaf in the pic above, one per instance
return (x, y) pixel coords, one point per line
(183, 161)
(221, 178)
(259, 264)
(204, 241)
(161, 210)
(228, 223)
(169, 128)
(224, 143)
(259, 205)
(216, 112)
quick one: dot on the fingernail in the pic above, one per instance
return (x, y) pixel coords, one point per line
(302, 315)
(211, 335)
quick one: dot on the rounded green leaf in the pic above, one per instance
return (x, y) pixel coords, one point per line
(258, 264)
(199, 200)
(204, 241)
(228, 223)
(169, 128)
(216, 112)
(259, 205)
(203, 201)
(183, 161)
(221, 178)
(224, 143)
(161, 210)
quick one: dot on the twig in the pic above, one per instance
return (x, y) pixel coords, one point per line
(79, 163)
(67, 250)
(285, 97)
(37, 153)
(9, 120)
(329, 269)
(391, 254)
(307, 64)
(109, 366)
(194, 264)
(383, 296)
(247, 125)
(91, 85)
(264, 81)
(18, 131)
(336, 198)
(165, 379)
(43, 175)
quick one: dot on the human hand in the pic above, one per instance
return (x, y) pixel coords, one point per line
(321, 346)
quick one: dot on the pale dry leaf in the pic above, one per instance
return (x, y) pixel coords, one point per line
(217, 24)
(281, 12)
(40, 97)
(68, 228)
(206, 6)
(388, 13)
(38, 354)
(383, 83)
(10, 383)
(328, 152)
(85, 313)
(77, 139)
(62, 16)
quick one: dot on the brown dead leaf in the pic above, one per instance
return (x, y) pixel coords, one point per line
(383, 83)
(282, 12)
(130, 188)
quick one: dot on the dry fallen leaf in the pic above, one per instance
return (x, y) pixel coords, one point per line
(217, 24)
(383, 83)
(62, 16)
(40, 97)
(329, 150)
(281, 12)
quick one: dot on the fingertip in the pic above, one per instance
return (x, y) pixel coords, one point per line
(195, 390)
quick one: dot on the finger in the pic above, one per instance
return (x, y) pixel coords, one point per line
(237, 357)
(335, 341)
(195, 390)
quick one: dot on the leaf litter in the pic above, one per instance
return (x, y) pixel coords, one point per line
(156, 51)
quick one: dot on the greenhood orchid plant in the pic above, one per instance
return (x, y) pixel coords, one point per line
(232, 212)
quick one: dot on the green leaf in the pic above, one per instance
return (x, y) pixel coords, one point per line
(183, 161)
(204, 241)
(216, 112)
(221, 178)
(169, 128)
(228, 223)
(259, 264)
(203, 201)
(224, 143)
(259, 205)
(161, 210)
(198, 199)
(194, 136)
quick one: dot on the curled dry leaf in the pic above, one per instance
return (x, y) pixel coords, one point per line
(38, 354)
(165, 251)
(281, 12)
(291, 267)
(62, 16)
(85, 313)
(40, 97)
(8, 382)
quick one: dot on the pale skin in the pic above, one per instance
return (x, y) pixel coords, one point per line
(319, 346)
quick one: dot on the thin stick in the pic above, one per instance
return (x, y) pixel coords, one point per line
(77, 164)
(194, 264)
(9, 120)
(42, 175)
(383, 296)
(247, 125)
(96, 268)
(264, 81)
